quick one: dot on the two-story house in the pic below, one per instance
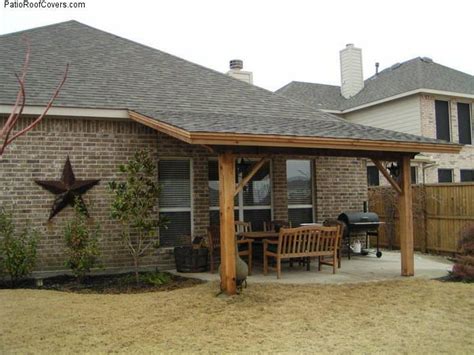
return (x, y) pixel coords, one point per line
(418, 96)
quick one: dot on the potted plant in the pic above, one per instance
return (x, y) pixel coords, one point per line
(192, 258)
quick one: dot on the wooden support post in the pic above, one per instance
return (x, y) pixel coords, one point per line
(406, 218)
(226, 205)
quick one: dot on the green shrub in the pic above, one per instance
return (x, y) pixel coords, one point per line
(17, 253)
(81, 243)
(156, 278)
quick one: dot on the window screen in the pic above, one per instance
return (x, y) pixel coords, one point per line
(299, 174)
(464, 123)
(467, 175)
(373, 178)
(442, 120)
(413, 172)
(445, 175)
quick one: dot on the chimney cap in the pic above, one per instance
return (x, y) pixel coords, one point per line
(236, 64)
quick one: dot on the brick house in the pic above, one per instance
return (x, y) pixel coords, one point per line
(418, 97)
(122, 96)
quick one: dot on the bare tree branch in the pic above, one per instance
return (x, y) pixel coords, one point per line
(19, 105)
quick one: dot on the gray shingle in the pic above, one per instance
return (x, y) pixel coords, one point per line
(417, 73)
(107, 71)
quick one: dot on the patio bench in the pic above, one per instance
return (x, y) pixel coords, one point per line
(302, 242)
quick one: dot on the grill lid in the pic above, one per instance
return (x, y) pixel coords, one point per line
(350, 218)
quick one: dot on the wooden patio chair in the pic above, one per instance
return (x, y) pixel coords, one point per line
(241, 227)
(275, 225)
(214, 245)
(334, 223)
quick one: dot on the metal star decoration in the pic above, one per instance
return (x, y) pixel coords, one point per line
(67, 190)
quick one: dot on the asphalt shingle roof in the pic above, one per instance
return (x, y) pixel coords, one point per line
(417, 73)
(107, 71)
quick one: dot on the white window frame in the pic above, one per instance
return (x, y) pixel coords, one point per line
(240, 207)
(191, 182)
(312, 163)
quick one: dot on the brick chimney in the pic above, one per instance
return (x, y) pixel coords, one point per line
(352, 79)
(236, 66)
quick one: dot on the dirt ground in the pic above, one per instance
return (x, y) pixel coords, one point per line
(408, 316)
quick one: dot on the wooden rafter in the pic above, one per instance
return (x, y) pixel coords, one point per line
(255, 168)
(387, 175)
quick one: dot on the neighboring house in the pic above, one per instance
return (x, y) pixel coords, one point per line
(122, 96)
(418, 97)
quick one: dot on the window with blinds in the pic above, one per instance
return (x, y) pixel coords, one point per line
(174, 177)
(299, 175)
(252, 204)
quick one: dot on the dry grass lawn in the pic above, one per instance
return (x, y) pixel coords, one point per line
(410, 316)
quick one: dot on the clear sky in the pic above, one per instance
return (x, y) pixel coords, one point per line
(279, 41)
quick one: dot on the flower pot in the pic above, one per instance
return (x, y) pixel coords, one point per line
(188, 259)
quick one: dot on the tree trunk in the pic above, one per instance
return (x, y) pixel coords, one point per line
(137, 276)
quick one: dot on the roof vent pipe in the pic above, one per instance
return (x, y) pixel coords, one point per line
(377, 68)
(236, 66)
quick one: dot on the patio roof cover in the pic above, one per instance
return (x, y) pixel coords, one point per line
(193, 103)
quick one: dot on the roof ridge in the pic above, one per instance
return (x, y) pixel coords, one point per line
(162, 52)
(39, 27)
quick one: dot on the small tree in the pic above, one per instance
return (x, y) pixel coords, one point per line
(81, 243)
(134, 205)
(17, 253)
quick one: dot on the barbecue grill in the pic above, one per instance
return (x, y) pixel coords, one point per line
(360, 222)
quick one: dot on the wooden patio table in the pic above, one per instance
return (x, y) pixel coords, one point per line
(259, 235)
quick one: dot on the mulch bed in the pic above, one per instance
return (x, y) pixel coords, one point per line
(105, 284)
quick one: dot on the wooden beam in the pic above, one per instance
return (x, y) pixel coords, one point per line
(275, 140)
(255, 168)
(259, 151)
(159, 126)
(387, 175)
(406, 219)
(248, 139)
(226, 206)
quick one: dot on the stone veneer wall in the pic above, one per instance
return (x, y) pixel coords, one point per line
(96, 149)
(465, 160)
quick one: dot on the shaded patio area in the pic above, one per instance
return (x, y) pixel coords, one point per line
(359, 269)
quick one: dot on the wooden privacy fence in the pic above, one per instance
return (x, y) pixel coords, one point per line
(440, 213)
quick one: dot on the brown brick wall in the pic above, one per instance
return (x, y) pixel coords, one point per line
(341, 185)
(96, 149)
(279, 193)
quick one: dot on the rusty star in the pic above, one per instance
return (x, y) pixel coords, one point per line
(68, 190)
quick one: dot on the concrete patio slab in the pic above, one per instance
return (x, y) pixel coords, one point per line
(358, 269)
